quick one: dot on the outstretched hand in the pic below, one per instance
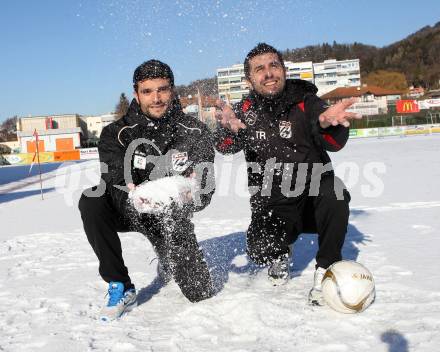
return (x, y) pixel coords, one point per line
(336, 114)
(227, 117)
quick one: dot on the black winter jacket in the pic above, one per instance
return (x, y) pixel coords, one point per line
(172, 145)
(287, 129)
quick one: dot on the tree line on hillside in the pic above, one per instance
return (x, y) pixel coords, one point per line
(417, 56)
(207, 86)
(414, 60)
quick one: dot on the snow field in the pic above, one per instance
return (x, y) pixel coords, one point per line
(51, 293)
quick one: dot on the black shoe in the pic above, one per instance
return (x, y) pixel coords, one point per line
(278, 271)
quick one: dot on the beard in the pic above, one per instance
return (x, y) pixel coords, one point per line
(269, 95)
(150, 112)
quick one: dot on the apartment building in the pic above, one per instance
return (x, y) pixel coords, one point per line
(300, 70)
(326, 75)
(231, 83)
(332, 74)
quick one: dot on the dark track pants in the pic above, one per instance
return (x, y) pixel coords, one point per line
(274, 227)
(172, 237)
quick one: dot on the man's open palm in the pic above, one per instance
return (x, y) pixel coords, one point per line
(336, 114)
(227, 117)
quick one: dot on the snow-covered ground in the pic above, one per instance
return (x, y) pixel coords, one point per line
(50, 291)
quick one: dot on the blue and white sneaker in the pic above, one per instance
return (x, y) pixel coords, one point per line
(119, 302)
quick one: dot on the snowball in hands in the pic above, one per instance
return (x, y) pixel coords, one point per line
(156, 196)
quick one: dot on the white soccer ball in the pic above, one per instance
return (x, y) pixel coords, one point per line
(348, 287)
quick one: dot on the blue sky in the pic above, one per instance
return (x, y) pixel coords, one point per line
(78, 56)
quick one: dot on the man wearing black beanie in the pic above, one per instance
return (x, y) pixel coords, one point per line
(153, 141)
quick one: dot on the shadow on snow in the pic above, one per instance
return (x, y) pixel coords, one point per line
(15, 173)
(395, 340)
(221, 253)
(8, 197)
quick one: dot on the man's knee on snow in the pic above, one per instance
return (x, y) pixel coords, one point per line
(91, 205)
(191, 273)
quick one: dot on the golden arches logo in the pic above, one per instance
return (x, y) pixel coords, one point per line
(407, 106)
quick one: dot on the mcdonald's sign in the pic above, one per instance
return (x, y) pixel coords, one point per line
(407, 106)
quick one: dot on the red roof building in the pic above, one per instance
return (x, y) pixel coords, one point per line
(372, 100)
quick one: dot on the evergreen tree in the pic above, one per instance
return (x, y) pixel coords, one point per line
(122, 106)
(8, 129)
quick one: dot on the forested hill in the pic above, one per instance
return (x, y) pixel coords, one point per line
(417, 57)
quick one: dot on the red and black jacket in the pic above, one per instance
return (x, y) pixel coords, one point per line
(286, 128)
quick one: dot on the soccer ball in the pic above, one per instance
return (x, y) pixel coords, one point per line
(348, 287)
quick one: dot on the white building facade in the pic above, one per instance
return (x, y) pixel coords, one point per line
(300, 70)
(231, 83)
(332, 74)
(95, 124)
